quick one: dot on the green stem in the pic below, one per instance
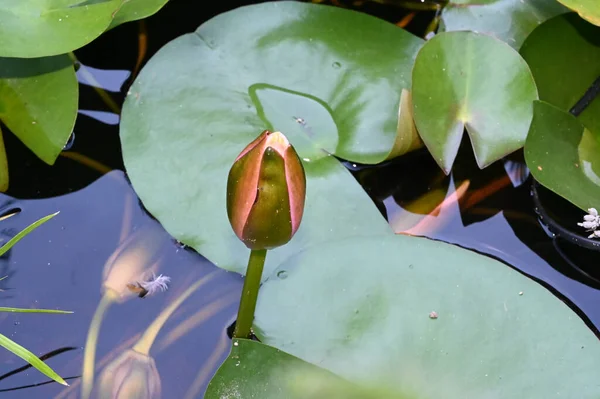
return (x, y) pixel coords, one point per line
(243, 325)
(89, 353)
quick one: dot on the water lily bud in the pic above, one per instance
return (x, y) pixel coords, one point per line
(130, 376)
(131, 261)
(265, 192)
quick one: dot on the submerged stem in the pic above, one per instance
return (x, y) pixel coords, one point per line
(89, 353)
(243, 325)
(145, 342)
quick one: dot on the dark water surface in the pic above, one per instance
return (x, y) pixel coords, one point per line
(61, 264)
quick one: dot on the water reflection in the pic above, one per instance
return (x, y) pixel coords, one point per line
(62, 265)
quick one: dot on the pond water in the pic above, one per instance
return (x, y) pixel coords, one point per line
(61, 265)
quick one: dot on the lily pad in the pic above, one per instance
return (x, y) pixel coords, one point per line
(564, 156)
(508, 20)
(133, 10)
(427, 317)
(587, 9)
(255, 370)
(330, 79)
(564, 57)
(407, 137)
(38, 102)
(33, 28)
(488, 90)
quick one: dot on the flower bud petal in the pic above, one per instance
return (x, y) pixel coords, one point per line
(265, 192)
(130, 376)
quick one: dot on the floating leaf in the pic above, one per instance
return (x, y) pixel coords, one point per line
(30, 358)
(326, 77)
(132, 10)
(427, 317)
(564, 156)
(33, 28)
(407, 137)
(564, 57)
(508, 20)
(38, 102)
(488, 90)
(257, 370)
(587, 9)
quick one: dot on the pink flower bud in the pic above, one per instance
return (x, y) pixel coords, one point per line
(265, 192)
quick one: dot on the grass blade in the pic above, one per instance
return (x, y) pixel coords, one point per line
(21, 310)
(24, 232)
(30, 358)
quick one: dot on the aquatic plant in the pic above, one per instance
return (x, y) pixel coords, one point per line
(11, 345)
(37, 67)
(346, 295)
(266, 188)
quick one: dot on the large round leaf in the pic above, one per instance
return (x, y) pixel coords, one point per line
(132, 10)
(362, 308)
(564, 56)
(255, 370)
(508, 20)
(38, 102)
(587, 9)
(564, 156)
(34, 28)
(473, 81)
(326, 77)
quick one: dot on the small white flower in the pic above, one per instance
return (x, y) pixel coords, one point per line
(591, 222)
(588, 224)
(156, 284)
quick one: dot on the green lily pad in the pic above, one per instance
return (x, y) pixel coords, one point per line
(508, 20)
(407, 137)
(38, 102)
(488, 90)
(255, 370)
(33, 28)
(362, 308)
(564, 156)
(564, 56)
(133, 10)
(330, 79)
(587, 9)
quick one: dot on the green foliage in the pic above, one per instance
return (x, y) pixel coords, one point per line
(564, 156)
(33, 28)
(468, 80)
(38, 102)
(38, 86)
(564, 57)
(272, 70)
(30, 358)
(6, 247)
(508, 20)
(587, 9)
(9, 344)
(256, 370)
(563, 152)
(346, 294)
(361, 307)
